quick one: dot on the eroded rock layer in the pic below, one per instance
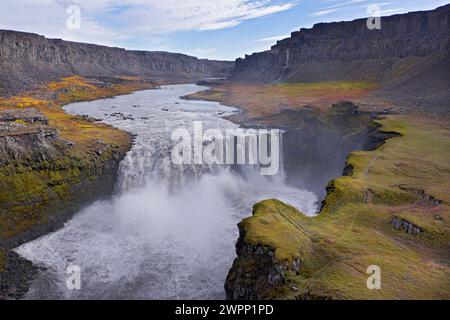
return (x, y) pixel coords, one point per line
(409, 56)
(28, 60)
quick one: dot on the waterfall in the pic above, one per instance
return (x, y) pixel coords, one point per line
(170, 230)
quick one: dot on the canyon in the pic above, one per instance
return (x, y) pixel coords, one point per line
(365, 116)
(30, 60)
(409, 54)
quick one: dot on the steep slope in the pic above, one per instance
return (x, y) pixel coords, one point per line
(402, 56)
(52, 164)
(389, 210)
(29, 60)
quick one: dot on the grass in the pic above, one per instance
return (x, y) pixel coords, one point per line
(354, 228)
(30, 189)
(21, 102)
(262, 100)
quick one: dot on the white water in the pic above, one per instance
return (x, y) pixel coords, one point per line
(170, 231)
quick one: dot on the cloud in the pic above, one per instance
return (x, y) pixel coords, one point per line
(346, 3)
(274, 38)
(174, 15)
(335, 7)
(128, 18)
(325, 12)
(387, 11)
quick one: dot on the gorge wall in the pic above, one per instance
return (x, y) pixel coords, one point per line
(29, 60)
(409, 56)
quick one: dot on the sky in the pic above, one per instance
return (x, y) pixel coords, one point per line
(213, 29)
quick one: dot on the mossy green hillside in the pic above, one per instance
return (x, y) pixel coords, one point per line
(354, 229)
(30, 191)
(36, 182)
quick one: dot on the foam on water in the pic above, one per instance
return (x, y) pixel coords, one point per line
(169, 232)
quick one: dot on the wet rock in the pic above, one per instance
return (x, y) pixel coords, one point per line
(255, 271)
(16, 277)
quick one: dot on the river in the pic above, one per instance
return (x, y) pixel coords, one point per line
(169, 231)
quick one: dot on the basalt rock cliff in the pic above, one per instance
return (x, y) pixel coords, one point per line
(29, 60)
(409, 57)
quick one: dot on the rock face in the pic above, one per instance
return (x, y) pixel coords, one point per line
(253, 283)
(319, 148)
(315, 150)
(28, 60)
(43, 180)
(399, 224)
(16, 275)
(409, 56)
(327, 46)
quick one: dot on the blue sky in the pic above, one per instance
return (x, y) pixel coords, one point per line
(215, 29)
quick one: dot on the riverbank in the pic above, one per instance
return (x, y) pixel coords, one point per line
(390, 202)
(169, 231)
(52, 164)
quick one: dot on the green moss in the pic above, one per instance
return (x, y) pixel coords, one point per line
(275, 228)
(30, 191)
(354, 228)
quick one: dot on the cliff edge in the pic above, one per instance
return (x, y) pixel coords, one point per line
(409, 57)
(29, 60)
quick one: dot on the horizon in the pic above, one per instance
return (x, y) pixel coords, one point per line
(243, 23)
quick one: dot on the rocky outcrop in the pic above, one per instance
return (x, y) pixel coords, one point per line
(345, 44)
(45, 179)
(16, 275)
(409, 56)
(27, 115)
(277, 247)
(29, 60)
(253, 281)
(315, 149)
(267, 266)
(399, 224)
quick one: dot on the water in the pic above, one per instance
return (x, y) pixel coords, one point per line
(169, 232)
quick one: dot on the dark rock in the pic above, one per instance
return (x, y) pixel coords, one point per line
(254, 271)
(345, 109)
(349, 42)
(409, 57)
(28, 115)
(28, 60)
(16, 277)
(398, 224)
(211, 82)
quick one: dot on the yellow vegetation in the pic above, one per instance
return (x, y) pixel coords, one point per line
(44, 184)
(261, 100)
